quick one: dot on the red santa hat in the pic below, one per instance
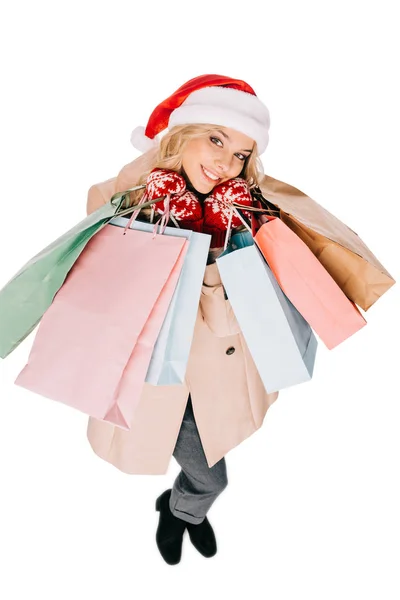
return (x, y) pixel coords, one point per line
(213, 99)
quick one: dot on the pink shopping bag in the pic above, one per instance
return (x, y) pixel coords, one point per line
(307, 284)
(103, 323)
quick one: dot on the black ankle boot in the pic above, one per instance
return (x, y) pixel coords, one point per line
(203, 538)
(170, 530)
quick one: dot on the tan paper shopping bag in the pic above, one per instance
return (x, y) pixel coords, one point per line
(341, 251)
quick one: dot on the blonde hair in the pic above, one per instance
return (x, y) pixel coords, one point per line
(169, 156)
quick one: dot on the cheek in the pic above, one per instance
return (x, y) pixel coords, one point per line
(236, 170)
(190, 155)
(187, 162)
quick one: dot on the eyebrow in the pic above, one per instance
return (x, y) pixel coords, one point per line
(228, 138)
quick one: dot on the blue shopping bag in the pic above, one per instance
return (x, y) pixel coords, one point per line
(171, 351)
(279, 339)
(239, 240)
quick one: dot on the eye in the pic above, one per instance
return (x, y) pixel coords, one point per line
(216, 141)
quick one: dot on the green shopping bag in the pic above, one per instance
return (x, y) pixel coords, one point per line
(27, 296)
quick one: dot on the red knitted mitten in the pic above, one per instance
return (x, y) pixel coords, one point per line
(161, 182)
(217, 208)
(184, 205)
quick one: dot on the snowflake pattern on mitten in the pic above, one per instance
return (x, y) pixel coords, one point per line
(161, 182)
(184, 205)
(217, 206)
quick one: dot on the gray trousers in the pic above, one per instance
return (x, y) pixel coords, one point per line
(197, 485)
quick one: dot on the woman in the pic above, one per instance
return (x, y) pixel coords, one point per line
(217, 129)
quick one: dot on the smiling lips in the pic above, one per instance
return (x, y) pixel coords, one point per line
(210, 174)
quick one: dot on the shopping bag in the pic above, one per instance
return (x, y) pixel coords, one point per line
(279, 339)
(308, 284)
(25, 298)
(103, 323)
(238, 240)
(341, 251)
(171, 351)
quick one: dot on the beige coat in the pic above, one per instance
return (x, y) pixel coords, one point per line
(229, 399)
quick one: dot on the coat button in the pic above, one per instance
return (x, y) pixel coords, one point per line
(230, 350)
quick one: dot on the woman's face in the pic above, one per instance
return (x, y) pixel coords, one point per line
(218, 156)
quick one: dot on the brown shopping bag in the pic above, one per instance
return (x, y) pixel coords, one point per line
(341, 251)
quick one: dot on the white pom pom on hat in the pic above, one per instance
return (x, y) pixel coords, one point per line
(140, 141)
(213, 99)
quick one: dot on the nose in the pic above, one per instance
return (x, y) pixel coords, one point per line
(223, 163)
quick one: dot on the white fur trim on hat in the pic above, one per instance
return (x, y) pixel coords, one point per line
(140, 141)
(226, 107)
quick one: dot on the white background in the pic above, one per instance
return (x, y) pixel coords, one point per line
(311, 510)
